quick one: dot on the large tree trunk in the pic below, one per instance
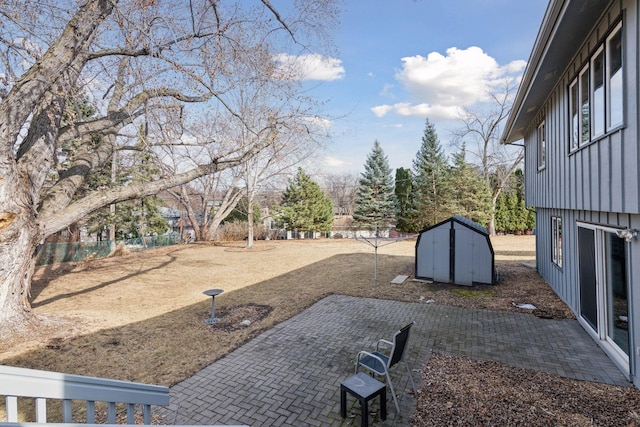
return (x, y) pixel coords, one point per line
(249, 221)
(19, 238)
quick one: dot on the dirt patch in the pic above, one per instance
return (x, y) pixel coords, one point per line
(518, 285)
(460, 391)
(237, 317)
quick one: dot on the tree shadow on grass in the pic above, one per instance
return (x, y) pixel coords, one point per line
(55, 271)
(168, 348)
(103, 284)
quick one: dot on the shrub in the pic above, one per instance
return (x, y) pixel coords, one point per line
(238, 230)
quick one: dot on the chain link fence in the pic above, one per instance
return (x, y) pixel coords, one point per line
(51, 253)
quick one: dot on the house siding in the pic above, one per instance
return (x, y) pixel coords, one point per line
(596, 184)
(563, 280)
(591, 177)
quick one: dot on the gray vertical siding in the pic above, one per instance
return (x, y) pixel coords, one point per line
(564, 281)
(599, 183)
(604, 175)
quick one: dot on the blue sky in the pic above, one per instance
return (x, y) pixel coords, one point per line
(401, 61)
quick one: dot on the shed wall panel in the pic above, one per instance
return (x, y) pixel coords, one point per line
(482, 260)
(432, 254)
(464, 255)
(441, 259)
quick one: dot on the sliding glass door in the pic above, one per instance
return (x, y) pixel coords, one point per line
(617, 304)
(604, 307)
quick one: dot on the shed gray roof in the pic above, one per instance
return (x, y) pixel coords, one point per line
(462, 220)
(471, 224)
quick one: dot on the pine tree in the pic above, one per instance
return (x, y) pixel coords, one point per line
(241, 212)
(531, 219)
(431, 196)
(513, 207)
(512, 215)
(136, 217)
(375, 200)
(502, 214)
(470, 192)
(404, 184)
(305, 206)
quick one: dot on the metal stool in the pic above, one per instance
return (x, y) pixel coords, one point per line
(364, 388)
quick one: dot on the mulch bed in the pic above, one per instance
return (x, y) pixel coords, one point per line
(461, 391)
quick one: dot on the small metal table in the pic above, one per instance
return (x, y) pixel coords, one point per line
(364, 388)
(212, 293)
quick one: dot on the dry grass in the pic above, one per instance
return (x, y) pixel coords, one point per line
(140, 317)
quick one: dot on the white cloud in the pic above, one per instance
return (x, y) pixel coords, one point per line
(381, 110)
(310, 67)
(318, 122)
(418, 110)
(439, 85)
(387, 91)
(334, 162)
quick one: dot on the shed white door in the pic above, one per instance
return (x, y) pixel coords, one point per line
(433, 255)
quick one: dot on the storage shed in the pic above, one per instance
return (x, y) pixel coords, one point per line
(457, 251)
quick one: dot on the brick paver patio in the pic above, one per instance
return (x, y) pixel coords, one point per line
(290, 375)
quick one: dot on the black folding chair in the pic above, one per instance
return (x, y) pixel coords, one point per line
(380, 363)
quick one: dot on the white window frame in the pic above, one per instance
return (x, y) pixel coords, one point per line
(574, 125)
(597, 118)
(583, 130)
(556, 240)
(582, 91)
(617, 30)
(541, 143)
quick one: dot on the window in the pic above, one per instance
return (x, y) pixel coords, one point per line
(573, 108)
(614, 77)
(584, 106)
(596, 95)
(542, 147)
(556, 240)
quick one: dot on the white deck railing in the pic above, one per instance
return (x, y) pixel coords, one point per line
(42, 385)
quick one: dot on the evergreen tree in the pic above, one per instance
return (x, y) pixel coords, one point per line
(305, 206)
(133, 218)
(502, 214)
(513, 207)
(241, 212)
(512, 214)
(470, 192)
(375, 201)
(431, 195)
(531, 219)
(404, 183)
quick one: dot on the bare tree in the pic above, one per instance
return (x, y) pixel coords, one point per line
(133, 60)
(208, 200)
(481, 132)
(342, 189)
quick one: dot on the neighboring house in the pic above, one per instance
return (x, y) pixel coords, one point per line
(577, 111)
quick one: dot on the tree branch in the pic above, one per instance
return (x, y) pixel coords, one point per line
(53, 220)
